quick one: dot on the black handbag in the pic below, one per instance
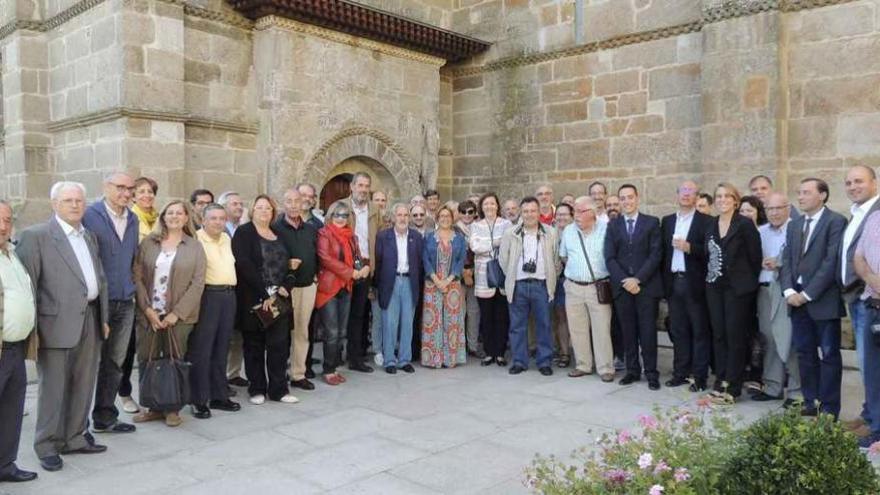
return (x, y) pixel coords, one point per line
(164, 383)
(494, 274)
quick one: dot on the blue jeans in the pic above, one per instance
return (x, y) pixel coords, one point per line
(820, 379)
(397, 321)
(860, 321)
(113, 351)
(530, 297)
(871, 369)
(376, 328)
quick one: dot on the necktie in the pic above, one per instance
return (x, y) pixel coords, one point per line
(806, 235)
(630, 227)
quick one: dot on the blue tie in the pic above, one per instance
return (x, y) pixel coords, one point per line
(630, 227)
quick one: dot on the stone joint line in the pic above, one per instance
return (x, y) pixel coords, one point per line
(137, 113)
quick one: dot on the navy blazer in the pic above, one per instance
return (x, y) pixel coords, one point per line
(117, 256)
(695, 261)
(818, 266)
(639, 257)
(385, 267)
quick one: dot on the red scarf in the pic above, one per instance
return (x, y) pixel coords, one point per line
(343, 236)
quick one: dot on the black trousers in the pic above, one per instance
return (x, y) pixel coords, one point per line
(638, 322)
(417, 326)
(616, 335)
(358, 322)
(730, 318)
(494, 324)
(689, 331)
(266, 351)
(209, 345)
(128, 364)
(13, 384)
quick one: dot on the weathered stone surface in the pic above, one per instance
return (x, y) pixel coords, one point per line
(590, 154)
(859, 135)
(617, 82)
(672, 81)
(859, 94)
(812, 137)
(566, 112)
(576, 89)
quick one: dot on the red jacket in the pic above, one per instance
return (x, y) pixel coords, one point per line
(334, 274)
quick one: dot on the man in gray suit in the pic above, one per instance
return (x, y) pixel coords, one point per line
(861, 189)
(809, 284)
(779, 358)
(62, 260)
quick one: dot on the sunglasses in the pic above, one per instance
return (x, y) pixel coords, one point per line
(340, 215)
(418, 215)
(470, 212)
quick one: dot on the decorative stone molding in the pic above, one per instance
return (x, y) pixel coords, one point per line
(729, 9)
(214, 15)
(136, 113)
(347, 39)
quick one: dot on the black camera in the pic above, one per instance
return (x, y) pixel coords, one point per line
(358, 264)
(530, 266)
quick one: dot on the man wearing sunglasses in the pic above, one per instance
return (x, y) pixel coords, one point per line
(467, 213)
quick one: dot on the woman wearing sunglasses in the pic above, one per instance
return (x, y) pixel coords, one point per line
(467, 214)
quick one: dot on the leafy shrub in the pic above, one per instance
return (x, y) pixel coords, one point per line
(785, 454)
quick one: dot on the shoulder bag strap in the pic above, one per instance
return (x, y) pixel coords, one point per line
(584, 249)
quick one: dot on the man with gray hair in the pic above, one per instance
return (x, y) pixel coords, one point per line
(234, 206)
(115, 227)
(61, 258)
(310, 212)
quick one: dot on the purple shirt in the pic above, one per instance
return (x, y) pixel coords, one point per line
(870, 238)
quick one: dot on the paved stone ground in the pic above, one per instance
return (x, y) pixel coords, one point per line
(465, 430)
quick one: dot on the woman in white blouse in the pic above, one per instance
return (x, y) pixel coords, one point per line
(485, 240)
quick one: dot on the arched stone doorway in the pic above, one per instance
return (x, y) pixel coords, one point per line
(336, 186)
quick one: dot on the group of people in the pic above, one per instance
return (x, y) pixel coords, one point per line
(755, 291)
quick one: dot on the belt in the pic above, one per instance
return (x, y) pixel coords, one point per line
(578, 282)
(13, 345)
(679, 274)
(219, 288)
(403, 274)
(531, 280)
(764, 284)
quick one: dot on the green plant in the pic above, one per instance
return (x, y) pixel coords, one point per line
(785, 454)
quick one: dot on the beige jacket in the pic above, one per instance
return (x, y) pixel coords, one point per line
(374, 220)
(187, 277)
(510, 257)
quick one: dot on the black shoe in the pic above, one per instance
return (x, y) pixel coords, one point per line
(224, 405)
(789, 403)
(676, 381)
(391, 370)
(763, 397)
(363, 368)
(310, 374)
(699, 385)
(51, 463)
(654, 384)
(117, 427)
(304, 384)
(19, 475)
(627, 379)
(500, 361)
(487, 361)
(809, 412)
(546, 370)
(90, 448)
(408, 368)
(231, 392)
(515, 369)
(239, 382)
(201, 411)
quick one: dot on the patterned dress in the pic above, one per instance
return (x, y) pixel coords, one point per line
(443, 338)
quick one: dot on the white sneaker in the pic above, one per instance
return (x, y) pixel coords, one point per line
(258, 399)
(378, 359)
(289, 399)
(129, 405)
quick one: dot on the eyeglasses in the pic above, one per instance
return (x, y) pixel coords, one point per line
(418, 215)
(340, 215)
(120, 188)
(775, 208)
(470, 212)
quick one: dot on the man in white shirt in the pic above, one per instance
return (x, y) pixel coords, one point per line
(364, 222)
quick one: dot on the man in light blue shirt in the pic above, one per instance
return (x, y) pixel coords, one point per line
(582, 249)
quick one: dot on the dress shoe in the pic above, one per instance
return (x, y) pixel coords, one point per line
(408, 368)
(676, 381)
(19, 475)
(145, 416)
(809, 412)
(853, 424)
(310, 374)
(239, 382)
(545, 370)
(501, 362)
(577, 373)
(173, 419)
(699, 385)
(487, 361)
(765, 397)
(654, 384)
(607, 377)
(117, 427)
(304, 384)
(391, 370)
(628, 379)
(51, 463)
(363, 368)
(515, 369)
(231, 392)
(224, 405)
(201, 411)
(90, 448)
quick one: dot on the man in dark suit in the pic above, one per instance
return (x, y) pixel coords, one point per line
(861, 189)
(397, 278)
(809, 284)
(684, 282)
(62, 260)
(633, 253)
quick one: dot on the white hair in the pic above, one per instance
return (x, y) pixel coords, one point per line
(402, 206)
(585, 200)
(224, 197)
(62, 185)
(109, 177)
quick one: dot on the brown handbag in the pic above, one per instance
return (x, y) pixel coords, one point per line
(603, 286)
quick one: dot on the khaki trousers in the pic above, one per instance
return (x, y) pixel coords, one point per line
(303, 300)
(586, 318)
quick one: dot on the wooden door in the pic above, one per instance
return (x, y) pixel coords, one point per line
(335, 189)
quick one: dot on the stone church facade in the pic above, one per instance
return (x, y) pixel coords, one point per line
(461, 95)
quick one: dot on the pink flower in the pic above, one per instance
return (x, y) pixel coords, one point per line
(648, 422)
(617, 476)
(681, 474)
(661, 467)
(684, 418)
(645, 460)
(623, 437)
(656, 490)
(874, 448)
(704, 403)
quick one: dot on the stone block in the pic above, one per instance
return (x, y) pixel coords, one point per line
(617, 82)
(240, 140)
(545, 134)
(812, 137)
(566, 112)
(582, 131)
(836, 58)
(590, 154)
(645, 55)
(472, 166)
(145, 153)
(682, 112)
(614, 127)
(478, 144)
(135, 29)
(108, 155)
(757, 93)
(739, 140)
(597, 109)
(860, 94)
(57, 52)
(77, 101)
(655, 149)
(742, 33)
(246, 162)
(608, 19)
(169, 33)
(145, 92)
(167, 132)
(525, 162)
(679, 80)
(645, 124)
(839, 21)
(467, 82)
(133, 59)
(75, 158)
(164, 64)
(138, 128)
(689, 48)
(103, 94)
(575, 89)
(664, 13)
(103, 34)
(632, 104)
(859, 135)
(200, 72)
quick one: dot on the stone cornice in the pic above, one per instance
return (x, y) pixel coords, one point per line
(347, 39)
(137, 113)
(729, 9)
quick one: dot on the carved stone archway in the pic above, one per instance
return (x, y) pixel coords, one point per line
(379, 148)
